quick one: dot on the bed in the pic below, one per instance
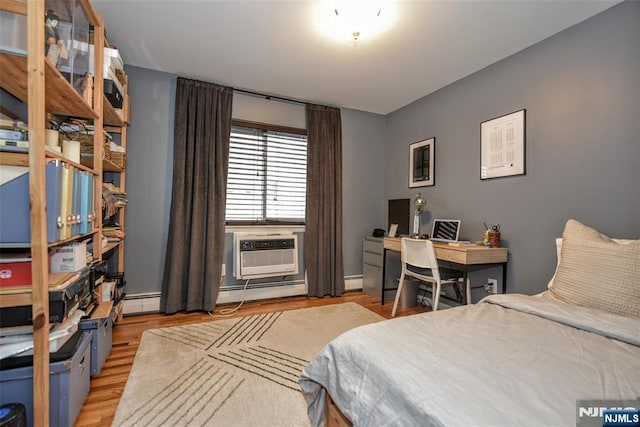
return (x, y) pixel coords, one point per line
(508, 360)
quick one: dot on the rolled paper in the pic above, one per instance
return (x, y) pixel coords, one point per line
(51, 138)
(71, 150)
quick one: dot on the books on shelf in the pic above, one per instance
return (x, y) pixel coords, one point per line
(113, 234)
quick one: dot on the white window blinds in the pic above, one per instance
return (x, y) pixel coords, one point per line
(267, 176)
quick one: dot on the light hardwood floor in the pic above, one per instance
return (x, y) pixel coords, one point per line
(101, 404)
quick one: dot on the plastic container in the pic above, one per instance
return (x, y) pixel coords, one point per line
(13, 32)
(101, 331)
(68, 381)
(73, 32)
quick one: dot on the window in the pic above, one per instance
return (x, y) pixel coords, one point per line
(267, 181)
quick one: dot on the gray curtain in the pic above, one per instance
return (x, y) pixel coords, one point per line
(323, 222)
(196, 227)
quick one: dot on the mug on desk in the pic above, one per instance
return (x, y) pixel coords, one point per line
(493, 237)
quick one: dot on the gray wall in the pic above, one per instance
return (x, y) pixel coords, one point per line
(362, 183)
(149, 171)
(149, 174)
(581, 92)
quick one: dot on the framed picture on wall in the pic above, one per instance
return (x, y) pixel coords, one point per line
(502, 146)
(422, 163)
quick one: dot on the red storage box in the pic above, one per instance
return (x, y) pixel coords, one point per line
(15, 270)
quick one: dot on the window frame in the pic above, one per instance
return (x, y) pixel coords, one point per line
(273, 128)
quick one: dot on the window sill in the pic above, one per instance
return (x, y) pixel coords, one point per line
(258, 228)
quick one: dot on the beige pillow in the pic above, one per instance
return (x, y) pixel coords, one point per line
(559, 249)
(598, 272)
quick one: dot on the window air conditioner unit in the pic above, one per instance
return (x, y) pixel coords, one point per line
(265, 255)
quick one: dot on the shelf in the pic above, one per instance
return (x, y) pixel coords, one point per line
(16, 300)
(107, 165)
(14, 159)
(60, 97)
(102, 310)
(111, 118)
(113, 129)
(71, 239)
(22, 159)
(111, 246)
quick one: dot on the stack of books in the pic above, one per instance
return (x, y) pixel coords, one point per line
(113, 233)
(13, 135)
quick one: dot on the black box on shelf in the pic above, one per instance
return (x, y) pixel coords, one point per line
(61, 303)
(112, 93)
(119, 289)
(98, 273)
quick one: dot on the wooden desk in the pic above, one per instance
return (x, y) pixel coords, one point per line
(462, 258)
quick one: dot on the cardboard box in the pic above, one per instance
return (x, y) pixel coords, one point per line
(70, 258)
(108, 287)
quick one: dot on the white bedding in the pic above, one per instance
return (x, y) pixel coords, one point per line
(509, 360)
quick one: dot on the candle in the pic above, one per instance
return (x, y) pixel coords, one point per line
(71, 150)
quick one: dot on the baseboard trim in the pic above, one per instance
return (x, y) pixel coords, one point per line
(142, 303)
(150, 302)
(353, 283)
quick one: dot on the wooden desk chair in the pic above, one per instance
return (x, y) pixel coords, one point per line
(419, 261)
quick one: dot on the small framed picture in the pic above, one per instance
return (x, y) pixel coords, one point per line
(422, 163)
(393, 230)
(502, 146)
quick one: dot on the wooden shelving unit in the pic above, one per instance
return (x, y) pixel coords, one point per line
(35, 81)
(60, 97)
(112, 118)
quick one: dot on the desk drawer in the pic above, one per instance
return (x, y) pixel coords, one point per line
(373, 246)
(372, 280)
(369, 258)
(393, 244)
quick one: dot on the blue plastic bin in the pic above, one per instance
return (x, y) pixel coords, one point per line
(68, 385)
(101, 331)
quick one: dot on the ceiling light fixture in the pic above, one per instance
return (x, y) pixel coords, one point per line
(358, 16)
(355, 20)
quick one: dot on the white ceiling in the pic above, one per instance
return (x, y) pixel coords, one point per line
(275, 47)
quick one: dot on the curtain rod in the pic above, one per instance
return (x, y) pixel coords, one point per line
(269, 97)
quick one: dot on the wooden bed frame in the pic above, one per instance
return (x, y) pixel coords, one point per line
(335, 418)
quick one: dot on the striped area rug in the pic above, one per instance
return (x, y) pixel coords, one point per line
(231, 372)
